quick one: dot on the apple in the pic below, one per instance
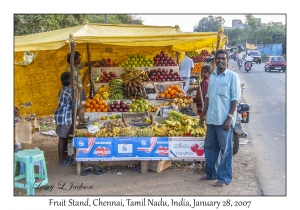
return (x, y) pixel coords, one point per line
(112, 106)
(158, 80)
(120, 110)
(199, 151)
(128, 107)
(115, 110)
(118, 106)
(171, 70)
(115, 102)
(125, 110)
(163, 80)
(161, 77)
(122, 102)
(175, 76)
(156, 77)
(123, 106)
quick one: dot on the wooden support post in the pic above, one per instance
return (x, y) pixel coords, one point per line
(144, 167)
(78, 163)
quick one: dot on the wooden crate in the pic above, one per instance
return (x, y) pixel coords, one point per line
(159, 165)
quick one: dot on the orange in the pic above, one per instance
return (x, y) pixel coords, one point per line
(93, 102)
(98, 110)
(105, 110)
(87, 105)
(101, 107)
(96, 99)
(173, 96)
(96, 106)
(104, 104)
(93, 110)
(169, 89)
(100, 102)
(168, 96)
(163, 95)
(87, 110)
(91, 107)
(166, 92)
(88, 100)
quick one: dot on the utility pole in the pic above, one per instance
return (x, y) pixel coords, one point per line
(106, 18)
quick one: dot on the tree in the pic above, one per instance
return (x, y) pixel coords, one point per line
(209, 23)
(30, 24)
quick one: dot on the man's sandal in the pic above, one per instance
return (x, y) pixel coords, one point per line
(219, 184)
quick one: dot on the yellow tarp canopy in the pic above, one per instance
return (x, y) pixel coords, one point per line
(39, 81)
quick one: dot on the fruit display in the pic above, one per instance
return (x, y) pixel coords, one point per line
(107, 77)
(188, 111)
(144, 119)
(103, 93)
(137, 61)
(182, 102)
(134, 89)
(96, 105)
(116, 106)
(197, 67)
(162, 75)
(109, 63)
(192, 53)
(163, 59)
(172, 91)
(141, 105)
(144, 131)
(112, 129)
(110, 117)
(116, 89)
(133, 74)
(197, 58)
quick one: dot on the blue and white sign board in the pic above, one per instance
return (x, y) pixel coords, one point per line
(124, 148)
(93, 149)
(186, 148)
(152, 148)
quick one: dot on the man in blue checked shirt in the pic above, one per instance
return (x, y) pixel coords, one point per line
(220, 104)
(63, 116)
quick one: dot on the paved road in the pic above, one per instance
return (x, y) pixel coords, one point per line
(266, 93)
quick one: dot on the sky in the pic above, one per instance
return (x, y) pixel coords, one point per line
(186, 22)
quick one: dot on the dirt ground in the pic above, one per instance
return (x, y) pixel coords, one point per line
(173, 181)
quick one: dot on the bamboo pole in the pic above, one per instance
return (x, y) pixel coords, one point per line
(74, 95)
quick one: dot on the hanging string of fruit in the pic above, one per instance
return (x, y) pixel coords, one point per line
(134, 89)
(116, 89)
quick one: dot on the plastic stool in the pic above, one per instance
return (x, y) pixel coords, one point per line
(29, 157)
(37, 163)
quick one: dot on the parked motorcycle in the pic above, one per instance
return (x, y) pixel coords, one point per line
(248, 66)
(242, 116)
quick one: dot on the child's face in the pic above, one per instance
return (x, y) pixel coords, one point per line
(204, 74)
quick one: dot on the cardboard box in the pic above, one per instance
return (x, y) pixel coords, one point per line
(159, 165)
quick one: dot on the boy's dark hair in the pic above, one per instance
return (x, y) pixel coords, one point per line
(76, 55)
(207, 68)
(65, 78)
(222, 52)
(213, 52)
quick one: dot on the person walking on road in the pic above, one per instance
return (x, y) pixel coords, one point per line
(186, 66)
(219, 112)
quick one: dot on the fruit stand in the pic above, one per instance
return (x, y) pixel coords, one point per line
(141, 76)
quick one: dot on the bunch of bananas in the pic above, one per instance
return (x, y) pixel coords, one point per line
(79, 133)
(144, 131)
(135, 74)
(198, 131)
(116, 89)
(105, 132)
(175, 133)
(127, 132)
(134, 89)
(103, 93)
(160, 130)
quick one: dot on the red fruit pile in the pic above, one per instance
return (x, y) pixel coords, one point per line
(162, 75)
(107, 77)
(109, 63)
(201, 57)
(118, 107)
(163, 59)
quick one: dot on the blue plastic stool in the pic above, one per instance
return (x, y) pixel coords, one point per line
(29, 157)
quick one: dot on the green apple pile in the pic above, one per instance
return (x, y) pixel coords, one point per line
(140, 105)
(137, 61)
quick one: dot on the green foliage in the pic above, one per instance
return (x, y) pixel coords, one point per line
(209, 23)
(30, 24)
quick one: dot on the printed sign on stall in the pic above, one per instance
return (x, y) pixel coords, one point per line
(94, 149)
(125, 148)
(152, 148)
(186, 149)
